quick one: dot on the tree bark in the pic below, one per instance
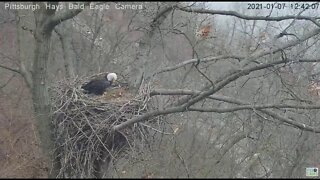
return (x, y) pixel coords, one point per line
(45, 21)
(24, 19)
(68, 54)
(40, 97)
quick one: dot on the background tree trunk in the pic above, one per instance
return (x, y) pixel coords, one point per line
(64, 33)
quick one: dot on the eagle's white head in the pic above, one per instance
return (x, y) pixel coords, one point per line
(112, 77)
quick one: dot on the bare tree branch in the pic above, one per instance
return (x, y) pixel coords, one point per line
(258, 107)
(6, 83)
(294, 123)
(204, 94)
(284, 32)
(184, 63)
(229, 100)
(148, 115)
(201, 96)
(161, 16)
(230, 78)
(244, 71)
(226, 147)
(192, 92)
(62, 16)
(246, 17)
(263, 52)
(254, 56)
(26, 74)
(10, 69)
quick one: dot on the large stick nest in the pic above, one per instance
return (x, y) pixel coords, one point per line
(83, 123)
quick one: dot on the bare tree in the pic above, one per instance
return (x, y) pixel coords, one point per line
(45, 20)
(242, 90)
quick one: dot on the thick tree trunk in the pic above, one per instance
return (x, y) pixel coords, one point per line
(45, 20)
(41, 100)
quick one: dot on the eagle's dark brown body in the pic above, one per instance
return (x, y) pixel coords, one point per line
(97, 86)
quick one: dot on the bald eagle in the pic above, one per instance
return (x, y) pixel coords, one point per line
(98, 86)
